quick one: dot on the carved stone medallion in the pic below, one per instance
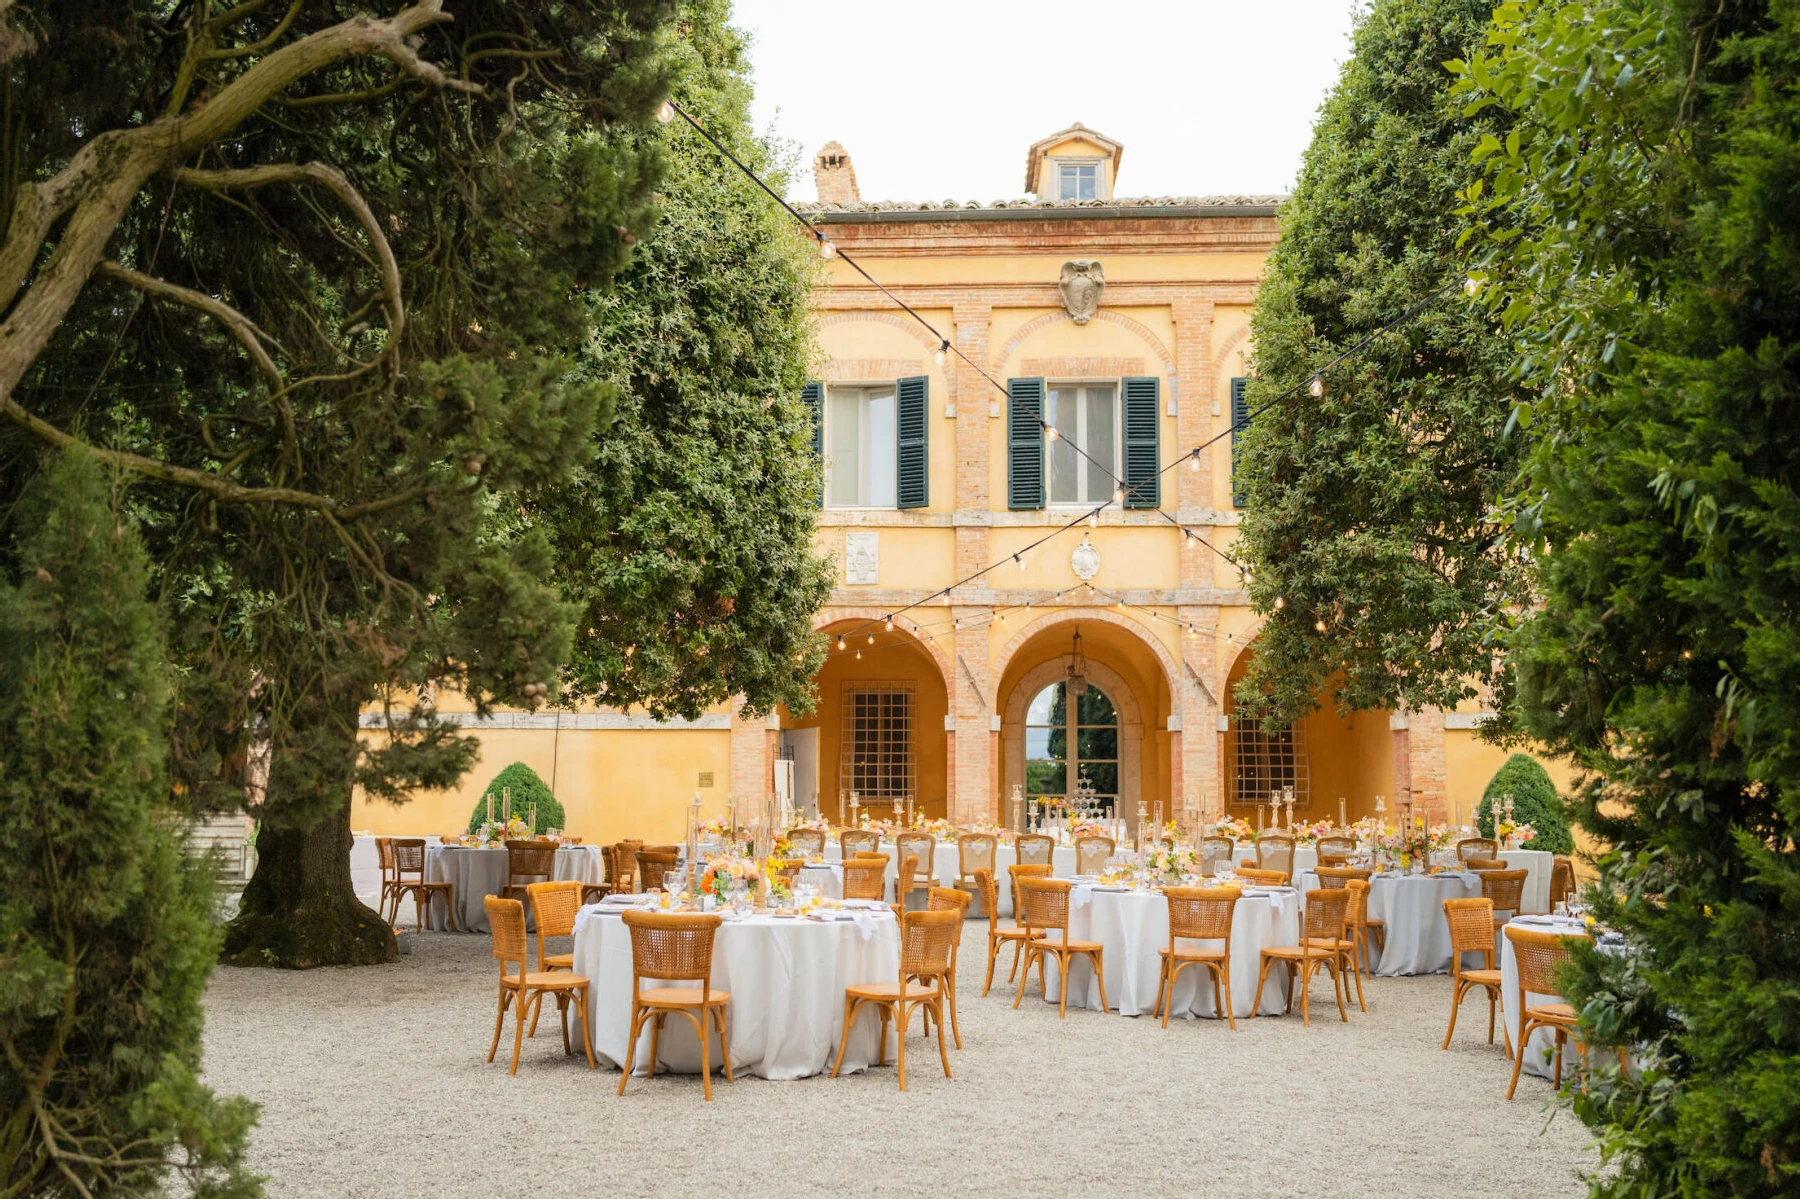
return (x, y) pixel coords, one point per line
(862, 558)
(1081, 284)
(1084, 560)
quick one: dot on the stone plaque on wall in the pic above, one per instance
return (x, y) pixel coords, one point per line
(862, 557)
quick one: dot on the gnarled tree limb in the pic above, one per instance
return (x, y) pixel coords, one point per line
(241, 326)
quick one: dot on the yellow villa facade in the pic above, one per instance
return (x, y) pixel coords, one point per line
(1123, 325)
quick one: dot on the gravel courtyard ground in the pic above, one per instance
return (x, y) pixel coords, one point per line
(372, 1083)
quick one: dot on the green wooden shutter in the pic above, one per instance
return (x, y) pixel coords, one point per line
(912, 453)
(1143, 441)
(1025, 443)
(1240, 421)
(813, 396)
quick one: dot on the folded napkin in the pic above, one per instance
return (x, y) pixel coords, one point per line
(620, 898)
(1543, 920)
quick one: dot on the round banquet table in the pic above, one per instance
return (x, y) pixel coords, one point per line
(1416, 939)
(786, 976)
(946, 865)
(478, 873)
(365, 867)
(1538, 1059)
(1134, 928)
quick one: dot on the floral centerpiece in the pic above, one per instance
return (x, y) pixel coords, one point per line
(716, 829)
(817, 823)
(1171, 865)
(725, 871)
(1085, 828)
(492, 832)
(1309, 834)
(1512, 835)
(943, 830)
(778, 885)
(1231, 826)
(989, 828)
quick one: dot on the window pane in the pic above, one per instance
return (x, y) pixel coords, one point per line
(1104, 776)
(1102, 464)
(881, 449)
(1065, 477)
(1047, 706)
(1037, 742)
(1044, 778)
(1085, 184)
(1097, 743)
(1095, 708)
(843, 465)
(1068, 183)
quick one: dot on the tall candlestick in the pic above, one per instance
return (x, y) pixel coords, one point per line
(1343, 814)
(490, 815)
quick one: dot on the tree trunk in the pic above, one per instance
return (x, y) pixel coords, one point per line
(299, 911)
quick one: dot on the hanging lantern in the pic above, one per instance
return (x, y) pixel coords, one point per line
(1077, 675)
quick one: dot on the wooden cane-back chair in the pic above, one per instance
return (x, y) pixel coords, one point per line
(926, 942)
(922, 846)
(1356, 916)
(951, 899)
(1477, 847)
(1034, 849)
(1539, 956)
(1092, 854)
(1044, 908)
(1262, 878)
(1333, 877)
(1337, 847)
(652, 864)
(1321, 942)
(1562, 880)
(853, 839)
(1506, 888)
(553, 910)
(384, 854)
(409, 879)
(1483, 864)
(1275, 852)
(865, 878)
(1214, 850)
(528, 862)
(676, 947)
(621, 866)
(1471, 924)
(807, 842)
(522, 989)
(1199, 914)
(997, 936)
(974, 852)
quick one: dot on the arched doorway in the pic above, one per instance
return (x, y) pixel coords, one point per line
(1071, 739)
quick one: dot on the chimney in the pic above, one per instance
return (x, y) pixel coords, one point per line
(834, 176)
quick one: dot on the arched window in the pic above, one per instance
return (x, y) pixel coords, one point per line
(1059, 752)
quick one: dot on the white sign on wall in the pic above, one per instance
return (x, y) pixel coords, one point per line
(862, 557)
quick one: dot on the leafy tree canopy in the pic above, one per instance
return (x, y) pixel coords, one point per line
(1367, 507)
(1534, 800)
(1638, 224)
(516, 790)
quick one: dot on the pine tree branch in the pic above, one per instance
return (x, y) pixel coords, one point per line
(242, 327)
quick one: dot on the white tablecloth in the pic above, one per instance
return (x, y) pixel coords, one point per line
(1134, 928)
(1417, 937)
(365, 867)
(947, 864)
(1536, 896)
(786, 977)
(478, 873)
(1543, 1040)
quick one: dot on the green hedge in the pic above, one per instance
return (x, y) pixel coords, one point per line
(526, 789)
(1535, 802)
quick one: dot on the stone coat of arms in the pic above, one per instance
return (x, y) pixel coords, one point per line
(1081, 284)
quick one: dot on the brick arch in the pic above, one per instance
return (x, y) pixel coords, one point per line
(902, 623)
(1228, 345)
(998, 362)
(1237, 647)
(1170, 667)
(910, 327)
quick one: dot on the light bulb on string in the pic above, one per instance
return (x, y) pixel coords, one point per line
(840, 643)
(1094, 519)
(943, 351)
(1471, 285)
(956, 624)
(1020, 560)
(1118, 495)
(871, 639)
(826, 248)
(1051, 433)
(665, 112)
(1001, 617)
(890, 624)
(1194, 460)
(1280, 603)
(1319, 625)
(859, 655)
(1316, 386)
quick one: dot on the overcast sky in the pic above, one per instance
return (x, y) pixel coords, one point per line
(938, 100)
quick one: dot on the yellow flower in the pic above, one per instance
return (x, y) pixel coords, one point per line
(1707, 908)
(1588, 920)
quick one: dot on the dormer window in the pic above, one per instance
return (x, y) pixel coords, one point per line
(1077, 180)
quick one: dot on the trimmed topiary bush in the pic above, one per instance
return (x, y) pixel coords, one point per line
(526, 788)
(1535, 802)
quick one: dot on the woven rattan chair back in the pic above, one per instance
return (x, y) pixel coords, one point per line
(807, 842)
(1484, 863)
(1357, 911)
(1326, 912)
(676, 946)
(1275, 852)
(865, 878)
(652, 864)
(621, 865)
(1214, 850)
(1333, 877)
(1340, 847)
(922, 846)
(990, 894)
(506, 925)
(787, 869)
(1471, 922)
(853, 839)
(1092, 854)
(1034, 849)
(384, 852)
(529, 862)
(1023, 870)
(1506, 888)
(553, 908)
(948, 899)
(1044, 903)
(1562, 880)
(926, 939)
(975, 851)
(1539, 956)
(907, 877)
(1477, 847)
(409, 857)
(1262, 878)
(1201, 913)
